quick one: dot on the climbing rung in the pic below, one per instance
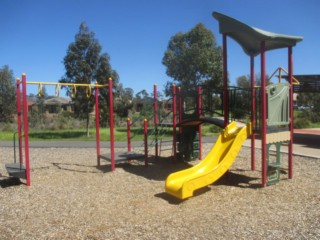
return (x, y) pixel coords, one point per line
(16, 170)
(274, 164)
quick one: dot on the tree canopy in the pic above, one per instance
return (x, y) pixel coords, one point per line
(193, 58)
(7, 94)
(84, 63)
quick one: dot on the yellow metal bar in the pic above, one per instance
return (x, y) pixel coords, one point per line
(73, 91)
(40, 90)
(57, 90)
(69, 84)
(88, 92)
(279, 69)
(295, 81)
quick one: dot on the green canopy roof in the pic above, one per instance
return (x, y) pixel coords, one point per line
(250, 37)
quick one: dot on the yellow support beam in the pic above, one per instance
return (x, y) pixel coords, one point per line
(69, 84)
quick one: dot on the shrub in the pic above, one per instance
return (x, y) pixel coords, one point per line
(215, 129)
(301, 123)
(8, 127)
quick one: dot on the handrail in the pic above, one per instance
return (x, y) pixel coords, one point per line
(69, 84)
(279, 69)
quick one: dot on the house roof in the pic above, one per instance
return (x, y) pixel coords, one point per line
(57, 101)
(308, 83)
(250, 37)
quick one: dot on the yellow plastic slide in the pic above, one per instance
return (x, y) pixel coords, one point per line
(182, 184)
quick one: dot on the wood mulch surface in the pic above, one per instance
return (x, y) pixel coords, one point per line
(72, 198)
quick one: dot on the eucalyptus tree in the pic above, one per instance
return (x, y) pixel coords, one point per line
(7, 95)
(84, 63)
(193, 58)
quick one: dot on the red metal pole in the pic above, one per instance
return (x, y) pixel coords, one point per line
(25, 127)
(97, 115)
(225, 81)
(113, 165)
(156, 116)
(180, 108)
(263, 114)
(145, 130)
(253, 113)
(129, 134)
(174, 121)
(199, 116)
(290, 150)
(18, 91)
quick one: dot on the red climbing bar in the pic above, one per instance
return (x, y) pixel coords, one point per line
(225, 81)
(18, 91)
(156, 116)
(263, 115)
(25, 127)
(253, 113)
(113, 165)
(180, 109)
(199, 116)
(174, 121)
(97, 116)
(290, 150)
(145, 130)
(129, 134)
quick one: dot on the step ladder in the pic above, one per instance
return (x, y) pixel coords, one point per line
(273, 165)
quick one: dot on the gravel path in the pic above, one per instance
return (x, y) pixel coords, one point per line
(70, 198)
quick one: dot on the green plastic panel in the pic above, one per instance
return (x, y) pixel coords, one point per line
(278, 104)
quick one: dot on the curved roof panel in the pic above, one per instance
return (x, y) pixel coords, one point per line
(249, 37)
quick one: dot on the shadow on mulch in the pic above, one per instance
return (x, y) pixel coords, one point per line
(74, 167)
(237, 180)
(170, 199)
(10, 182)
(307, 140)
(175, 201)
(157, 169)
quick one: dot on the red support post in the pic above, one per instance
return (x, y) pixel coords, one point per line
(180, 108)
(113, 165)
(290, 150)
(174, 122)
(199, 116)
(97, 115)
(156, 116)
(225, 81)
(19, 120)
(253, 113)
(25, 127)
(129, 134)
(263, 115)
(145, 131)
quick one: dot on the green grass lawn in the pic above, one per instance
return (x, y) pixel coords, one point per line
(60, 135)
(120, 134)
(80, 134)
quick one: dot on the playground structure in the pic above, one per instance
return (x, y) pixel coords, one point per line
(275, 118)
(21, 169)
(271, 119)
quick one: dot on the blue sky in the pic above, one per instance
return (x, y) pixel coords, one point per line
(35, 34)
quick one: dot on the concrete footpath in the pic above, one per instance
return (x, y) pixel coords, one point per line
(306, 143)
